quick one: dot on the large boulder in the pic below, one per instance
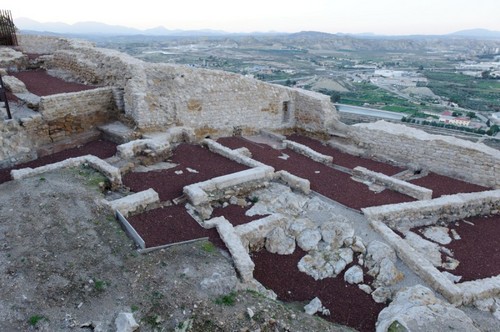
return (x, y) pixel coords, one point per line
(354, 275)
(125, 322)
(325, 263)
(417, 309)
(277, 242)
(376, 251)
(335, 233)
(308, 239)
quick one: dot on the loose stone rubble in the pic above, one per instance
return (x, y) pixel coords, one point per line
(417, 309)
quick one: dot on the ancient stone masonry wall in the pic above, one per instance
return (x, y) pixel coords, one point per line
(471, 162)
(314, 111)
(47, 44)
(210, 100)
(73, 113)
(157, 96)
(96, 66)
(15, 146)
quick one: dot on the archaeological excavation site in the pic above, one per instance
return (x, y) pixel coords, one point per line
(159, 197)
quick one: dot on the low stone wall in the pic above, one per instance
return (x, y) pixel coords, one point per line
(234, 155)
(242, 261)
(308, 152)
(253, 234)
(67, 114)
(293, 181)
(479, 289)
(134, 202)
(110, 172)
(446, 208)
(398, 185)
(465, 293)
(211, 190)
(471, 162)
(418, 264)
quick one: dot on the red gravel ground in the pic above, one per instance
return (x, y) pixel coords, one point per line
(235, 214)
(42, 84)
(478, 250)
(344, 159)
(348, 304)
(169, 185)
(171, 225)
(329, 182)
(100, 148)
(443, 185)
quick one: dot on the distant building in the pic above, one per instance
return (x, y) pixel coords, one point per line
(448, 118)
(495, 117)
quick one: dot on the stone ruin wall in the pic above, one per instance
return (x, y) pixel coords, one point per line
(36, 44)
(443, 209)
(157, 96)
(16, 145)
(68, 114)
(471, 162)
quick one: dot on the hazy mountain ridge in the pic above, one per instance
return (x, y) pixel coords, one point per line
(98, 28)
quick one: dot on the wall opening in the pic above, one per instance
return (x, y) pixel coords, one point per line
(286, 111)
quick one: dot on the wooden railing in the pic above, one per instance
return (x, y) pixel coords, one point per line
(7, 29)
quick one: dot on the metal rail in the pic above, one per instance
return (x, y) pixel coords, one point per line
(3, 98)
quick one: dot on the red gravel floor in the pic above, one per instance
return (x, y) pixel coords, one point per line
(344, 159)
(169, 185)
(42, 84)
(348, 304)
(100, 148)
(443, 185)
(235, 214)
(478, 250)
(171, 225)
(325, 180)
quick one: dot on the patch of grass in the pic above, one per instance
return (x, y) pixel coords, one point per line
(255, 294)
(227, 300)
(35, 319)
(134, 308)
(42, 179)
(396, 327)
(208, 246)
(152, 320)
(254, 199)
(92, 177)
(100, 285)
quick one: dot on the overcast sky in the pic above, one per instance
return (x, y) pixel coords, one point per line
(394, 17)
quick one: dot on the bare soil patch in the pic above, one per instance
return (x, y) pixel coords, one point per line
(100, 148)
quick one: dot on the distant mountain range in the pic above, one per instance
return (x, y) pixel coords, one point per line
(102, 29)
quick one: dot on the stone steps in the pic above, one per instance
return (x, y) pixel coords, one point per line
(117, 132)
